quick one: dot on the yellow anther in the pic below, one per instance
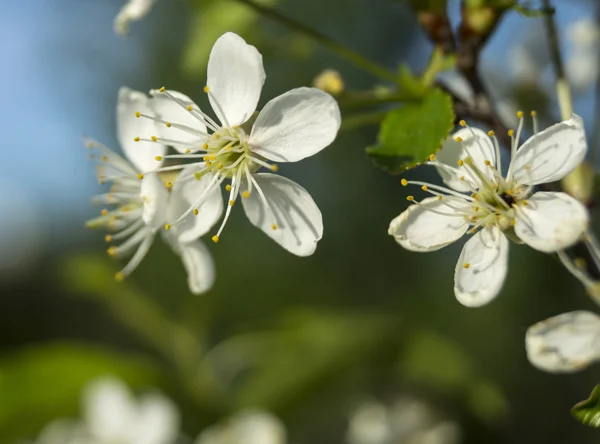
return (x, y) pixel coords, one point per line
(167, 124)
(138, 114)
(274, 226)
(228, 187)
(101, 181)
(103, 158)
(472, 218)
(205, 158)
(274, 168)
(205, 146)
(524, 203)
(104, 212)
(462, 123)
(511, 132)
(108, 238)
(217, 136)
(195, 211)
(89, 145)
(580, 262)
(513, 222)
(198, 175)
(212, 157)
(154, 138)
(162, 89)
(140, 176)
(491, 133)
(439, 198)
(206, 90)
(432, 157)
(190, 107)
(231, 202)
(533, 113)
(459, 139)
(466, 265)
(462, 177)
(136, 139)
(404, 182)
(188, 151)
(487, 163)
(410, 198)
(167, 227)
(169, 184)
(475, 196)
(208, 164)
(509, 192)
(119, 277)
(424, 188)
(220, 166)
(158, 158)
(460, 162)
(246, 194)
(215, 238)
(520, 114)
(112, 250)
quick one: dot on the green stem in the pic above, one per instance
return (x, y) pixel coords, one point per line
(361, 120)
(563, 91)
(339, 49)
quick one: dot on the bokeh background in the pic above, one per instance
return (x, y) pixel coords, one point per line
(306, 338)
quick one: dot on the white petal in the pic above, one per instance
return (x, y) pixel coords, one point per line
(296, 215)
(235, 79)
(419, 229)
(155, 197)
(475, 144)
(198, 264)
(247, 427)
(296, 125)
(551, 221)
(183, 195)
(141, 154)
(131, 11)
(550, 154)
(108, 409)
(172, 111)
(486, 254)
(565, 343)
(457, 83)
(157, 421)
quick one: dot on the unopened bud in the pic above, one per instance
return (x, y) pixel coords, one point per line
(330, 81)
(580, 183)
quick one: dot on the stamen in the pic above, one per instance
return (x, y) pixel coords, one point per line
(185, 128)
(216, 102)
(535, 121)
(198, 114)
(235, 186)
(216, 181)
(137, 257)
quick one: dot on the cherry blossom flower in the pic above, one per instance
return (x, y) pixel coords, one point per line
(291, 127)
(132, 10)
(111, 414)
(482, 202)
(143, 202)
(245, 427)
(565, 343)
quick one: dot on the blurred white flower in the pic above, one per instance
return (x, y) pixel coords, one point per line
(565, 343)
(582, 61)
(409, 421)
(132, 10)
(144, 202)
(295, 125)
(496, 206)
(246, 427)
(112, 415)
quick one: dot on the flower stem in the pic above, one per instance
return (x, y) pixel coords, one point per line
(563, 90)
(336, 47)
(360, 120)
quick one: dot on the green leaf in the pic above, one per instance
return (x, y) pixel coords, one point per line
(44, 382)
(588, 412)
(409, 135)
(309, 351)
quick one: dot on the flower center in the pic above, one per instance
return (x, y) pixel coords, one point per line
(227, 152)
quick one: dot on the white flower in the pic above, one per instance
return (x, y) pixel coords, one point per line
(144, 202)
(565, 343)
(293, 126)
(131, 11)
(408, 421)
(582, 61)
(496, 206)
(246, 427)
(112, 415)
